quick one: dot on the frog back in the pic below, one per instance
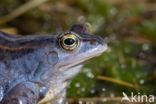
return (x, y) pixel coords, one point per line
(21, 57)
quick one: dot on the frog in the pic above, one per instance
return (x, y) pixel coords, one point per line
(34, 67)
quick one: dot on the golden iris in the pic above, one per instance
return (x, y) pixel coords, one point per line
(69, 41)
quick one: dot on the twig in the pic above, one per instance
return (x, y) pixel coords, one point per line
(21, 10)
(117, 82)
(9, 30)
(95, 99)
(128, 3)
(102, 99)
(125, 1)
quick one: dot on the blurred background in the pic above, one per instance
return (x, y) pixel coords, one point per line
(129, 27)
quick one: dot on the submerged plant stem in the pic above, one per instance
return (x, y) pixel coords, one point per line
(120, 82)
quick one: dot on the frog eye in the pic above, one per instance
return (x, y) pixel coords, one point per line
(69, 41)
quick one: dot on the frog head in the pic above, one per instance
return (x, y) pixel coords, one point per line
(75, 46)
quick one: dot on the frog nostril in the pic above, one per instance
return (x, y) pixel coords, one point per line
(93, 42)
(100, 40)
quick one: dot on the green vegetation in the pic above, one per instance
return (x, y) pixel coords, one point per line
(128, 27)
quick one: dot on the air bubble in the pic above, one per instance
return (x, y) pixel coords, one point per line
(77, 85)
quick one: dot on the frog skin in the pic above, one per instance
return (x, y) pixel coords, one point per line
(36, 65)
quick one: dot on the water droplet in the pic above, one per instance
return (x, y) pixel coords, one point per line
(90, 75)
(92, 91)
(103, 89)
(80, 102)
(77, 85)
(145, 47)
(141, 81)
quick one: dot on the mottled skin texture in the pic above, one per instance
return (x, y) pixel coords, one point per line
(32, 67)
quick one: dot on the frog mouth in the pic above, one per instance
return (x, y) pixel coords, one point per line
(93, 53)
(96, 52)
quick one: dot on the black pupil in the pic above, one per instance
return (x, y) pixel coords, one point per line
(69, 41)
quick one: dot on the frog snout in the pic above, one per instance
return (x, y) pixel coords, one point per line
(97, 40)
(100, 40)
